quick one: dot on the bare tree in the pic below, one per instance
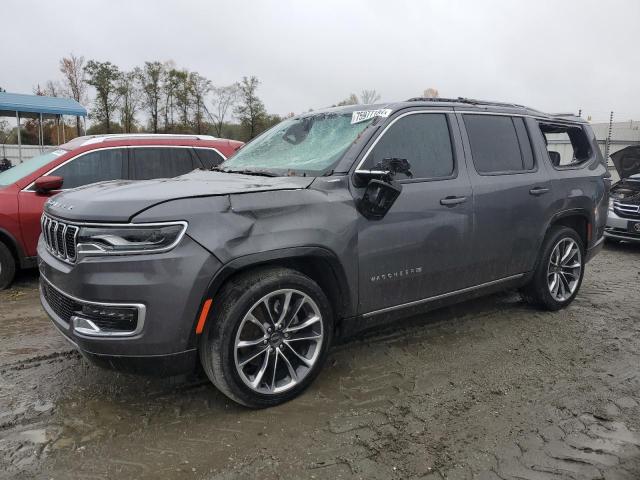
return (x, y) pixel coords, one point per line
(369, 96)
(170, 84)
(50, 89)
(224, 98)
(72, 69)
(150, 78)
(250, 109)
(200, 88)
(127, 89)
(431, 93)
(350, 100)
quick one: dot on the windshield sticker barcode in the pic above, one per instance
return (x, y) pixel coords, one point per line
(362, 115)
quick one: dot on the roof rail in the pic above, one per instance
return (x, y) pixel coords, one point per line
(470, 101)
(115, 136)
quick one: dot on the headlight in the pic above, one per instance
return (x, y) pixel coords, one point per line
(129, 239)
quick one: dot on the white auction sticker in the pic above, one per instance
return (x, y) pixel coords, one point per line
(362, 115)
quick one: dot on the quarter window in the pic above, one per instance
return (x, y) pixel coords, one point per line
(97, 166)
(149, 163)
(499, 144)
(567, 146)
(423, 140)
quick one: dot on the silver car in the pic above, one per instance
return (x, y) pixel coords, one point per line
(623, 221)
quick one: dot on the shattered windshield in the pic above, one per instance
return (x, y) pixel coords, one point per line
(309, 145)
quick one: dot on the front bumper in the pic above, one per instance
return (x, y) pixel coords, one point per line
(618, 228)
(166, 290)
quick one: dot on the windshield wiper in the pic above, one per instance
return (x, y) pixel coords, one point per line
(260, 173)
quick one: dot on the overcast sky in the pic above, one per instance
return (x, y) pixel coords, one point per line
(551, 55)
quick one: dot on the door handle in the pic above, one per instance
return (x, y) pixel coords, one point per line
(451, 200)
(538, 191)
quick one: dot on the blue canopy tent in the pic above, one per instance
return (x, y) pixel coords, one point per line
(39, 107)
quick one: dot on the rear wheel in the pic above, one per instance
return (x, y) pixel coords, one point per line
(267, 337)
(559, 272)
(7, 266)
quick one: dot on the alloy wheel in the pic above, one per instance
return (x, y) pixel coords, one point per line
(565, 267)
(278, 341)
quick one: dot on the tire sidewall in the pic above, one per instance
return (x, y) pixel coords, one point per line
(555, 236)
(224, 327)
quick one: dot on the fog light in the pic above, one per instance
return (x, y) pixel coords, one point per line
(113, 313)
(106, 320)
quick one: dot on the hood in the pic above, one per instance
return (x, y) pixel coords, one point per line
(119, 200)
(627, 161)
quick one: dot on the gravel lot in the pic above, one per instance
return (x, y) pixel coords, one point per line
(490, 389)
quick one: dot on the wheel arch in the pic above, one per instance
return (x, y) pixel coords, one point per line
(577, 219)
(318, 263)
(12, 244)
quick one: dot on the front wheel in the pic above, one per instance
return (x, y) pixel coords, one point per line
(559, 271)
(267, 337)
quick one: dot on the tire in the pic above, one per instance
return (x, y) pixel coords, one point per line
(541, 289)
(7, 266)
(231, 337)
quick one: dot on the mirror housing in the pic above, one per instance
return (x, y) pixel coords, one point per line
(48, 183)
(381, 190)
(378, 198)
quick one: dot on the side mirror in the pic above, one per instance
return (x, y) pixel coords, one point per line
(381, 190)
(378, 198)
(48, 183)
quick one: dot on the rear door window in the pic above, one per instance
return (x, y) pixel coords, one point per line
(499, 144)
(96, 166)
(423, 139)
(209, 157)
(161, 162)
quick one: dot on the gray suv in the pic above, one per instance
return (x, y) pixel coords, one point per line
(326, 224)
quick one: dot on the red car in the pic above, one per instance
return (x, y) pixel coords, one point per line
(26, 187)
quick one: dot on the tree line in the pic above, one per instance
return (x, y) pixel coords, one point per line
(159, 97)
(156, 97)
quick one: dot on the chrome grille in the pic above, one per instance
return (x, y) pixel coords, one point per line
(59, 237)
(626, 210)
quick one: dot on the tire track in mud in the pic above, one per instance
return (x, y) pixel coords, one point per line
(491, 389)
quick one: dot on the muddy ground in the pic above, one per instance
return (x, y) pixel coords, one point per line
(489, 389)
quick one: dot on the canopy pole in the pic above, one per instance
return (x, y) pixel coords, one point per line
(41, 139)
(58, 129)
(84, 119)
(63, 134)
(19, 139)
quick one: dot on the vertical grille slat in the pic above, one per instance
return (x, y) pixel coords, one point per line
(59, 237)
(70, 241)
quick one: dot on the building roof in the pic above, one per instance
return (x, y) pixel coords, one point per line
(10, 103)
